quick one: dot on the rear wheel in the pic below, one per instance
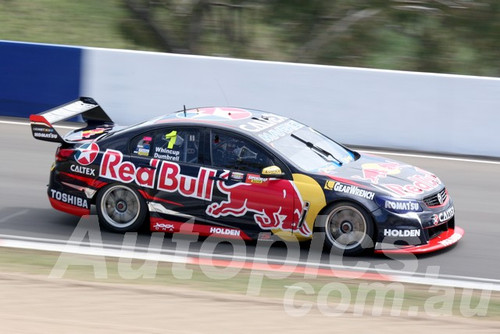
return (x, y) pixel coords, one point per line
(348, 229)
(120, 208)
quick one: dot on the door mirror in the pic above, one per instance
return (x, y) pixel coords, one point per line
(272, 171)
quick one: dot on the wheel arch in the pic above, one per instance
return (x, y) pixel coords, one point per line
(349, 200)
(145, 215)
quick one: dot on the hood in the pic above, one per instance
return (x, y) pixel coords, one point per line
(396, 179)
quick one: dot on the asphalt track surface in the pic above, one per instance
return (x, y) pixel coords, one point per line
(473, 184)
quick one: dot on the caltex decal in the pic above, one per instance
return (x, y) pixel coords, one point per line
(86, 154)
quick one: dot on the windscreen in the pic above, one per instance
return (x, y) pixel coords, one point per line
(310, 150)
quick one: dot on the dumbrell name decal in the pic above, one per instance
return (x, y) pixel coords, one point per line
(165, 178)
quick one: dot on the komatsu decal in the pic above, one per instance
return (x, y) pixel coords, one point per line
(44, 134)
(405, 206)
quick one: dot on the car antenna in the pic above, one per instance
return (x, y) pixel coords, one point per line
(184, 110)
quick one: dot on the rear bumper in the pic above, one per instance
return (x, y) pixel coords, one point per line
(82, 209)
(67, 197)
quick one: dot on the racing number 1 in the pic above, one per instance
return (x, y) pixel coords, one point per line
(173, 137)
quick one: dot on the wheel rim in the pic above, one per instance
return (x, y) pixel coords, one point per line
(346, 227)
(120, 206)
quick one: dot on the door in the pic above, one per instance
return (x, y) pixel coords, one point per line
(182, 186)
(244, 199)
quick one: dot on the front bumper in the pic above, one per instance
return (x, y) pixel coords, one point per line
(417, 232)
(443, 240)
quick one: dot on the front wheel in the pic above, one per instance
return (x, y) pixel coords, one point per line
(347, 229)
(120, 208)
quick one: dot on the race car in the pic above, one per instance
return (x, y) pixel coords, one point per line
(241, 173)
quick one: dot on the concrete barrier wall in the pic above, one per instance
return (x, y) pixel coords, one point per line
(37, 77)
(392, 109)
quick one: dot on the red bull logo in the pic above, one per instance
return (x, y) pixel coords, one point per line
(419, 184)
(169, 177)
(92, 132)
(375, 171)
(276, 204)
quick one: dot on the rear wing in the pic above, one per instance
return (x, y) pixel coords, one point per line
(42, 124)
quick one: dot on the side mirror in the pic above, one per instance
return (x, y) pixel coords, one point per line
(272, 171)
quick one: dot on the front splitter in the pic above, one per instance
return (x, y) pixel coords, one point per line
(444, 240)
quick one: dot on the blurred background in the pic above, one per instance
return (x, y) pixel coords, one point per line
(430, 113)
(441, 36)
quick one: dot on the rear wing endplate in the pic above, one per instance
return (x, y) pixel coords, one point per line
(42, 124)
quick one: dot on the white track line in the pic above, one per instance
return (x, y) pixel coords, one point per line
(175, 256)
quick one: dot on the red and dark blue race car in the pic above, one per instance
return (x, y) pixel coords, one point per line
(241, 173)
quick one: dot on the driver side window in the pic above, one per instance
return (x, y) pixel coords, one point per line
(233, 152)
(172, 144)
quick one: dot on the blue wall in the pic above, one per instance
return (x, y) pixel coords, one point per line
(35, 77)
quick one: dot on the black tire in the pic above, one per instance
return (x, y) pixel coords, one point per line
(120, 208)
(347, 229)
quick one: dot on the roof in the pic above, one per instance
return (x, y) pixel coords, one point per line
(264, 126)
(246, 120)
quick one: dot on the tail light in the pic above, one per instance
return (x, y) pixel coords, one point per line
(63, 154)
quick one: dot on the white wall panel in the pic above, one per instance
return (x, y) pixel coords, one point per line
(404, 110)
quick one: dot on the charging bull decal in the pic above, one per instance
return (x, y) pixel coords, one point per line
(277, 204)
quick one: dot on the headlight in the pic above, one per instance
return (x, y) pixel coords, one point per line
(398, 205)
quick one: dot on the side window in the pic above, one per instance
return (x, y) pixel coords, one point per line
(141, 145)
(234, 152)
(179, 145)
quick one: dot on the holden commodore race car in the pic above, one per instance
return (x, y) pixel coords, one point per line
(241, 173)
